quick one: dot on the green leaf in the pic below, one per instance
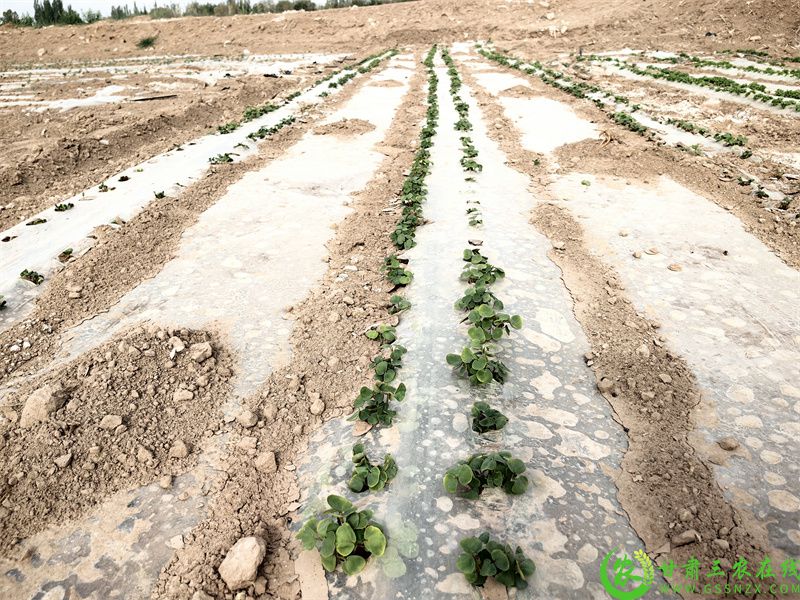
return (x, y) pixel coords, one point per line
(345, 540)
(484, 376)
(328, 547)
(329, 563)
(353, 565)
(471, 545)
(516, 322)
(453, 360)
(465, 563)
(372, 334)
(516, 466)
(467, 356)
(451, 483)
(485, 311)
(373, 477)
(479, 364)
(400, 393)
(500, 559)
(338, 503)
(520, 485)
(374, 540)
(464, 474)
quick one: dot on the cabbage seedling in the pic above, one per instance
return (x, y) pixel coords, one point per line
(485, 418)
(480, 471)
(159, 195)
(478, 269)
(221, 158)
(343, 535)
(487, 324)
(395, 272)
(386, 367)
(478, 364)
(398, 304)
(372, 404)
(228, 127)
(64, 207)
(367, 476)
(32, 276)
(385, 333)
(482, 557)
(477, 295)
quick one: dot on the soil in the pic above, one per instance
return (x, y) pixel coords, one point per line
(118, 425)
(345, 127)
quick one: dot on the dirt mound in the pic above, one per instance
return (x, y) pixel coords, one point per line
(130, 411)
(345, 127)
(520, 91)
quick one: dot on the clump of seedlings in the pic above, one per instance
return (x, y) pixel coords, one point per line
(487, 324)
(480, 471)
(254, 112)
(476, 296)
(228, 127)
(396, 272)
(398, 304)
(483, 557)
(103, 187)
(32, 276)
(343, 535)
(369, 477)
(64, 207)
(147, 42)
(485, 418)
(385, 333)
(478, 269)
(624, 119)
(36, 222)
(386, 367)
(219, 159)
(474, 216)
(372, 404)
(479, 364)
(268, 131)
(728, 139)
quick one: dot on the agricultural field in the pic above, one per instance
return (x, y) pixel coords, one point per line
(428, 300)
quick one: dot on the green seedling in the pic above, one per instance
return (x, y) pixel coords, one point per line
(386, 367)
(159, 195)
(268, 131)
(536, 162)
(745, 180)
(103, 187)
(398, 304)
(477, 295)
(65, 255)
(343, 535)
(586, 183)
(624, 119)
(36, 222)
(395, 271)
(728, 139)
(32, 276)
(124, 178)
(478, 364)
(486, 324)
(480, 471)
(482, 557)
(471, 165)
(485, 418)
(760, 193)
(64, 207)
(386, 334)
(785, 203)
(367, 476)
(254, 112)
(746, 154)
(228, 127)
(221, 158)
(372, 404)
(478, 269)
(323, 94)
(463, 124)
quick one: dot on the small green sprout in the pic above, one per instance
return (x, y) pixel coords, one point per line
(482, 558)
(64, 207)
(367, 476)
(159, 195)
(398, 304)
(485, 418)
(343, 535)
(32, 276)
(480, 471)
(36, 222)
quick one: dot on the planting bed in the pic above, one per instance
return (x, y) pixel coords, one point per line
(327, 305)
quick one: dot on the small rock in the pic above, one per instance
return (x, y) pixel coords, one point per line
(624, 233)
(605, 385)
(728, 443)
(63, 461)
(240, 566)
(182, 395)
(721, 544)
(334, 362)
(665, 377)
(637, 254)
(317, 407)
(689, 536)
(176, 344)
(361, 428)
(348, 300)
(333, 317)
(686, 515)
(179, 449)
(559, 245)
(651, 251)
(165, 482)
(41, 404)
(143, 454)
(200, 352)
(266, 463)
(201, 595)
(176, 542)
(675, 267)
(110, 422)
(246, 418)
(643, 351)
